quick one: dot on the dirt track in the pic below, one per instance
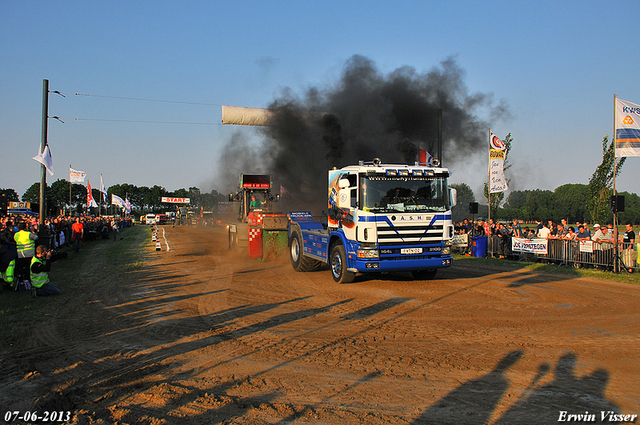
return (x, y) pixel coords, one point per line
(201, 335)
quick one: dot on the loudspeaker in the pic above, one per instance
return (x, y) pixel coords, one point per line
(473, 208)
(617, 203)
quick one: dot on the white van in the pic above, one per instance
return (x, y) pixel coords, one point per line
(151, 219)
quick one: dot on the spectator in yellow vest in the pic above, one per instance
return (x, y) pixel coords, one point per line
(40, 267)
(25, 245)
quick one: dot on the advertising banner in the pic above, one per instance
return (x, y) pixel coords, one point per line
(532, 246)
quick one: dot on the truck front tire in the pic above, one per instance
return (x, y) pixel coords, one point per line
(299, 262)
(338, 264)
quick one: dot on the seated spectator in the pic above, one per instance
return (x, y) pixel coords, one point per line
(40, 267)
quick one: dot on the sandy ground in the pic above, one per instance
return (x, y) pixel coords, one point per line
(202, 335)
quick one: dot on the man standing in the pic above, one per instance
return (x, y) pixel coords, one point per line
(629, 247)
(516, 230)
(504, 236)
(544, 232)
(25, 245)
(77, 234)
(116, 229)
(603, 254)
(40, 267)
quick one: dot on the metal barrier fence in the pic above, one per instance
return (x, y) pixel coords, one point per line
(564, 252)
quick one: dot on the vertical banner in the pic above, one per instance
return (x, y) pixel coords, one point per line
(497, 180)
(627, 128)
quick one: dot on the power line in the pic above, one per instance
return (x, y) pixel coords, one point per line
(147, 100)
(147, 122)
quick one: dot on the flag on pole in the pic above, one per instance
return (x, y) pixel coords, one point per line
(45, 159)
(116, 200)
(424, 157)
(627, 128)
(497, 180)
(90, 201)
(76, 176)
(103, 189)
(127, 206)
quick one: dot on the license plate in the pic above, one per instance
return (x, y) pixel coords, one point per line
(411, 251)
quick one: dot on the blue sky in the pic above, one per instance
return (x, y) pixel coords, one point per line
(556, 65)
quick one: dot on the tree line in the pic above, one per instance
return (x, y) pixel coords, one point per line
(61, 195)
(570, 201)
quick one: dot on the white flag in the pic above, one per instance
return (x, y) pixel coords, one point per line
(102, 188)
(76, 176)
(116, 200)
(627, 128)
(45, 159)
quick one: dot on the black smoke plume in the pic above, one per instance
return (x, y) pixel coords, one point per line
(368, 115)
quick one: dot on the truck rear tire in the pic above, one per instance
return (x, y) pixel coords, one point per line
(299, 262)
(424, 274)
(338, 264)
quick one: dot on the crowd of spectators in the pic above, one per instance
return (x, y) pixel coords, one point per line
(504, 231)
(56, 234)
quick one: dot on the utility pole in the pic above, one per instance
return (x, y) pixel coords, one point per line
(43, 169)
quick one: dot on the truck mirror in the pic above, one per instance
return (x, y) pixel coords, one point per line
(453, 196)
(344, 183)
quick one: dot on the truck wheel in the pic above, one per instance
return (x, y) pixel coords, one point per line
(424, 274)
(299, 262)
(338, 263)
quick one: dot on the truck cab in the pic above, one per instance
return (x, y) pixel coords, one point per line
(382, 218)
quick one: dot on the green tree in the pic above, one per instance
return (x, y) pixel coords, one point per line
(10, 195)
(601, 182)
(631, 213)
(60, 193)
(465, 196)
(32, 194)
(571, 202)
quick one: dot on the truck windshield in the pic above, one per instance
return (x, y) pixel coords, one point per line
(399, 194)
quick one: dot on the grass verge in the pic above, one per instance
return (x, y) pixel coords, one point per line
(551, 269)
(19, 312)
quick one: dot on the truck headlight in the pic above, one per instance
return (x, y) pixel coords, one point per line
(368, 253)
(446, 249)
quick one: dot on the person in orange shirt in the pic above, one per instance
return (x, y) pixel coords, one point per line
(77, 234)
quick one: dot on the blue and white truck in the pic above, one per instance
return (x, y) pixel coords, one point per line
(382, 218)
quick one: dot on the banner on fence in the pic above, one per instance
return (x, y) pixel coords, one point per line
(586, 246)
(533, 246)
(460, 240)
